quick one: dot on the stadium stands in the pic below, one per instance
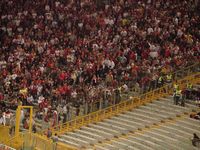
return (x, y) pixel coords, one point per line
(71, 58)
(57, 53)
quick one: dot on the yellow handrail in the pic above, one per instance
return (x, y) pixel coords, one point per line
(15, 142)
(123, 106)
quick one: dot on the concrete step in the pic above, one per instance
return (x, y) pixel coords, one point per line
(134, 143)
(117, 121)
(150, 113)
(130, 147)
(69, 142)
(184, 128)
(134, 124)
(148, 145)
(73, 139)
(105, 129)
(98, 132)
(172, 142)
(97, 147)
(134, 114)
(148, 116)
(163, 112)
(193, 121)
(189, 124)
(171, 135)
(115, 126)
(119, 144)
(139, 120)
(162, 144)
(110, 146)
(83, 137)
(164, 107)
(93, 133)
(154, 112)
(170, 103)
(158, 135)
(170, 129)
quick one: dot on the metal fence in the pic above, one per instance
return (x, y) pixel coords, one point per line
(31, 141)
(34, 141)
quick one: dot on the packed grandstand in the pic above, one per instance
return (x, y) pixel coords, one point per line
(57, 55)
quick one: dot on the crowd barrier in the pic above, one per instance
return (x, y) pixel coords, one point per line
(32, 141)
(39, 142)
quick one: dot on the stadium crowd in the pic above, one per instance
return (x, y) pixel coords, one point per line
(56, 52)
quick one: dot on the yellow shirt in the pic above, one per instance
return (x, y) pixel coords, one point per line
(23, 91)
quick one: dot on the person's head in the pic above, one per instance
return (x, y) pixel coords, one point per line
(194, 134)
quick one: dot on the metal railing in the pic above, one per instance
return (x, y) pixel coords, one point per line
(15, 141)
(33, 141)
(124, 106)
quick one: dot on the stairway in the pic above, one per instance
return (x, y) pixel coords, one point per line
(159, 125)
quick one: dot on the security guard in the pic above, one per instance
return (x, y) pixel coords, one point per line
(183, 98)
(189, 91)
(176, 87)
(177, 96)
(169, 78)
(160, 81)
(189, 86)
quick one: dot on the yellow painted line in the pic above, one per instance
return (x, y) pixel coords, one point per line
(143, 130)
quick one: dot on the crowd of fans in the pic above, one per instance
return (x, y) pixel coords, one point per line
(56, 52)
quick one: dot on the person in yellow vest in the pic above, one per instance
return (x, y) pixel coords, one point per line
(23, 91)
(176, 87)
(183, 96)
(177, 96)
(189, 91)
(160, 81)
(169, 78)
